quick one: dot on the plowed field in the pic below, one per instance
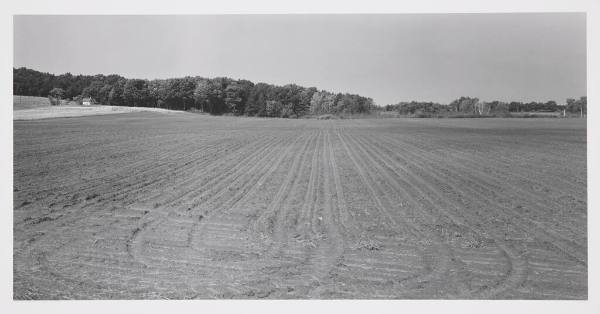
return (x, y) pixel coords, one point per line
(146, 205)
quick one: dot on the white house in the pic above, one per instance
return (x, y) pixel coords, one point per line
(86, 101)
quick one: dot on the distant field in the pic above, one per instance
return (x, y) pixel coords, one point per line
(34, 108)
(532, 114)
(537, 114)
(146, 205)
(29, 102)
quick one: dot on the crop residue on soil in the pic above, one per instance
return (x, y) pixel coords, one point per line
(151, 206)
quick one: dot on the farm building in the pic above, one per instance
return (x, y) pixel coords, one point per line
(86, 101)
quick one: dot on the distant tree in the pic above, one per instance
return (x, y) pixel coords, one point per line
(465, 104)
(135, 93)
(156, 93)
(233, 98)
(494, 107)
(515, 106)
(578, 106)
(178, 93)
(345, 104)
(551, 106)
(323, 102)
(418, 107)
(305, 96)
(212, 93)
(56, 95)
(93, 90)
(104, 93)
(115, 97)
(236, 96)
(290, 95)
(287, 111)
(351, 103)
(257, 100)
(273, 108)
(246, 88)
(202, 93)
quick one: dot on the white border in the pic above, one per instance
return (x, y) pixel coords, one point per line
(11, 7)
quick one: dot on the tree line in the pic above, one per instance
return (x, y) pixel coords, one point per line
(219, 95)
(473, 106)
(224, 95)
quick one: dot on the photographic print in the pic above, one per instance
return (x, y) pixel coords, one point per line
(300, 156)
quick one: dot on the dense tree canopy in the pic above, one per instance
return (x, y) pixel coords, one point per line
(473, 106)
(241, 97)
(33, 83)
(217, 95)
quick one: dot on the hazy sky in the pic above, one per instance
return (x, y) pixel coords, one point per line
(390, 58)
